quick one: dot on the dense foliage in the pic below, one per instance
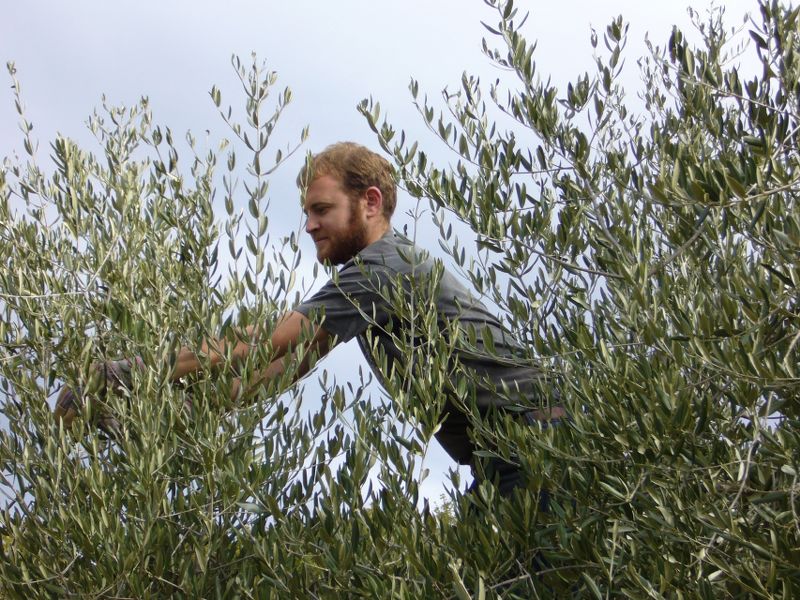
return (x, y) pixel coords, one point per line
(644, 251)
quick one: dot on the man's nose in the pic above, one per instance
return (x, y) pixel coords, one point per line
(311, 224)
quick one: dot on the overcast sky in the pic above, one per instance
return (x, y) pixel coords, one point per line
(331, 53)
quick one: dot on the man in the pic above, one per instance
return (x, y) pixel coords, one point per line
(349, 201)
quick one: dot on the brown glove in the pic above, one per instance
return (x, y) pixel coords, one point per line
(115, 376)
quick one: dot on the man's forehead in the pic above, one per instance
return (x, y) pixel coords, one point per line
(322, 186)
(322, 189)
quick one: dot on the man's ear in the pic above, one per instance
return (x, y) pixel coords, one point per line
(374, 201)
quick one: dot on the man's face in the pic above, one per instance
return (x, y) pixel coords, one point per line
(335, 222)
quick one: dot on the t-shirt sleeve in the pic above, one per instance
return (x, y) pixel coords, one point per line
(352, 301)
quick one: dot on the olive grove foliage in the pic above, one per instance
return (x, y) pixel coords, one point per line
(649, 258)
(645, 257)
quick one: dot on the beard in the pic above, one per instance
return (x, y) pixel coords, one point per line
(350, 242)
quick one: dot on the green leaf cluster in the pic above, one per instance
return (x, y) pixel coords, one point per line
(644, 254)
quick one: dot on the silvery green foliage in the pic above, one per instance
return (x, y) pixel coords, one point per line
(647, 259)
(646, 249)
(137, 251)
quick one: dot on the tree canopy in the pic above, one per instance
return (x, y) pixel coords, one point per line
(642, 248)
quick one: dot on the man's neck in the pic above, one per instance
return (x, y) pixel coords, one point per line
(378, 232)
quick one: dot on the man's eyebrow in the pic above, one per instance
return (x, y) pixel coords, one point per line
(317, 204)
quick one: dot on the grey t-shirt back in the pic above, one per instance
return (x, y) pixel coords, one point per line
(361, 300)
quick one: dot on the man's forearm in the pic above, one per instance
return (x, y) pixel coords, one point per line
(188, 362)
(289, 331)
(296, 365)
(293, 331)
(214, 352)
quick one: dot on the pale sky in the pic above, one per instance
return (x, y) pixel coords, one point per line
(331, 54)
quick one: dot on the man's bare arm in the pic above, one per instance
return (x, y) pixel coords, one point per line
(286, 336)
(285, 341)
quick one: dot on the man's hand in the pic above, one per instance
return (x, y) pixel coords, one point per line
(114, 376)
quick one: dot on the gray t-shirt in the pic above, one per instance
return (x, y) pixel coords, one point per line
(368, 298)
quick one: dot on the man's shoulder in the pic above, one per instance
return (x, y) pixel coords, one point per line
(393, 252)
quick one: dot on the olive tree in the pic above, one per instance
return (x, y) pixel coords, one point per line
(641, 249)
(644, 247)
